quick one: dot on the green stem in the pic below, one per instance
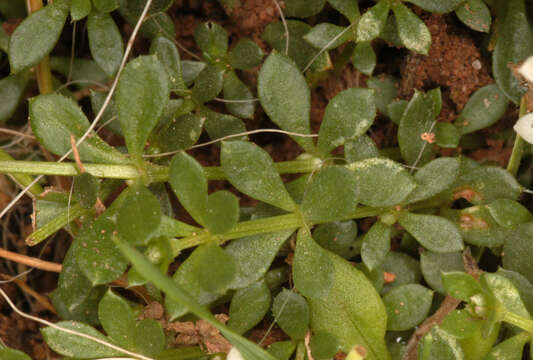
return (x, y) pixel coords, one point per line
(22, 180)
(518, 147)
(43, 70)
(517, 320)
(300, 351)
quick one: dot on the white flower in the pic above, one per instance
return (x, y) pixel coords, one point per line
(524, 127)
(526, 70)
(234, 354)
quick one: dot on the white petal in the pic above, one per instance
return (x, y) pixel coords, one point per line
(524, 127)
(526, 70)
(234, 354)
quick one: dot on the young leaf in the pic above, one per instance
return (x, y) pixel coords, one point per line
(80, 9)
(212, 39)
(506, 293)
(75, 346)
(510, 349)
(282, 350)
(382, 182)
(248, 307)
(251, 170)
(214, 269)
(446, 135)
(180, 133)
(509, 213)
(105, 42)
(11, 91)
(376, 245)
(54, 118)
(332, 195)
(373, 21)
(348, 115)
(461, 324)
(434, 264)
(312, 270)
(407, 306)
(85, 189)
(187, 179)
(322, 34)
(513, 45)
(518, 251)
(168, 55)
(385, 89)
(475, 14)
(405, 269)
(486, 106)
(208, 84)
(303, 8)
(37, 35)
(439, 345)
(220, 125)
(433, 178)
(522, 284)
(117, 319)
(253, 256)
(285, 96)
(364, 58)
(191, 70)
(412, 31)
(460, 285)
(246, 54)
(291, 312)
(395, 110)
(139, 215)
(222, 212)
(336, 236)
(433, 232)
(359, 314)
(437, 6)
(142, 95)
(235, 89)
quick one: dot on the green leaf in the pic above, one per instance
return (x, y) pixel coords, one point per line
(85, 189)
(447, 135)
(191, 70)
(323, 346)
(208, 84)
(352, 312)
(220, 125)
(313, 271)
(348, 115)
(214, 269)
(407, 306)
(139, 216)
(486, 106)
(506, 293)
(302, 8)
(180, 133)
(109, 116)
(461, 324)
(212, 39)
(364, 58)
(460, 285)
(478, 227)
(336, 236)
(246, 54)
(98, 258)
(4, 40)
(518, 251)
(81, 71)
(285, 97)
(439, 345)
(382, 182)
(475, 14)
(390, 32)
(385, 89)
(360, 149)
(522, 284)
(395, 110)
(117, 319)
(510, 349)
(299, 49)
(187, 179)
(222, 212)
(253, 256)
(149, 337)
(433, 232)
(105, 42)
(248, 307)
(75, 346)
(235, 90)
(405, 269)
(373, 21)
(54, 118)
(12, 354)
(80, 9)
(142, 95)
(437, 6)
(105, 6)
(433, 178)
(11, 91)
(37, 35)
(376, 245)
(322, 34)
(434, 264)
(416, 119)
(291, 312)
(509, 213)
(514, 44)
(168, 55)
(348, 8)
(282, 350)
(331, 195)
(412, 31)
(251, 170)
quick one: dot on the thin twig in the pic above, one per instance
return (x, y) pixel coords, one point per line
(413, 167)
(24, 287)
(30, 261)
(285, 26)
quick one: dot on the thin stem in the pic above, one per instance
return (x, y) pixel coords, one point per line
(43, 70)
(517, 320)
(22, 180)
(30, 261)
(518, 147)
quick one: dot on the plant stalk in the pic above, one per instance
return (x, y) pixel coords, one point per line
(22, 180)
(518, 147)
(519, 321)
(43, 70)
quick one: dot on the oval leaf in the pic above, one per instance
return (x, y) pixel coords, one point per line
(291, 312)
(105, 42)
(407, 306)
(248, 307)
(373, 21)
(117, 319)
(214, 268)
(434, 264)
(11, 91)
(475, 14)
(168, 54)
(235, 89)
(246, 54)
(222, 212)
(412, 31)
(376, 245)
(437, 6)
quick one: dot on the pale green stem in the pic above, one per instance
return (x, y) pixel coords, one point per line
(519, 321)
(518, 147)
(22, 180)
